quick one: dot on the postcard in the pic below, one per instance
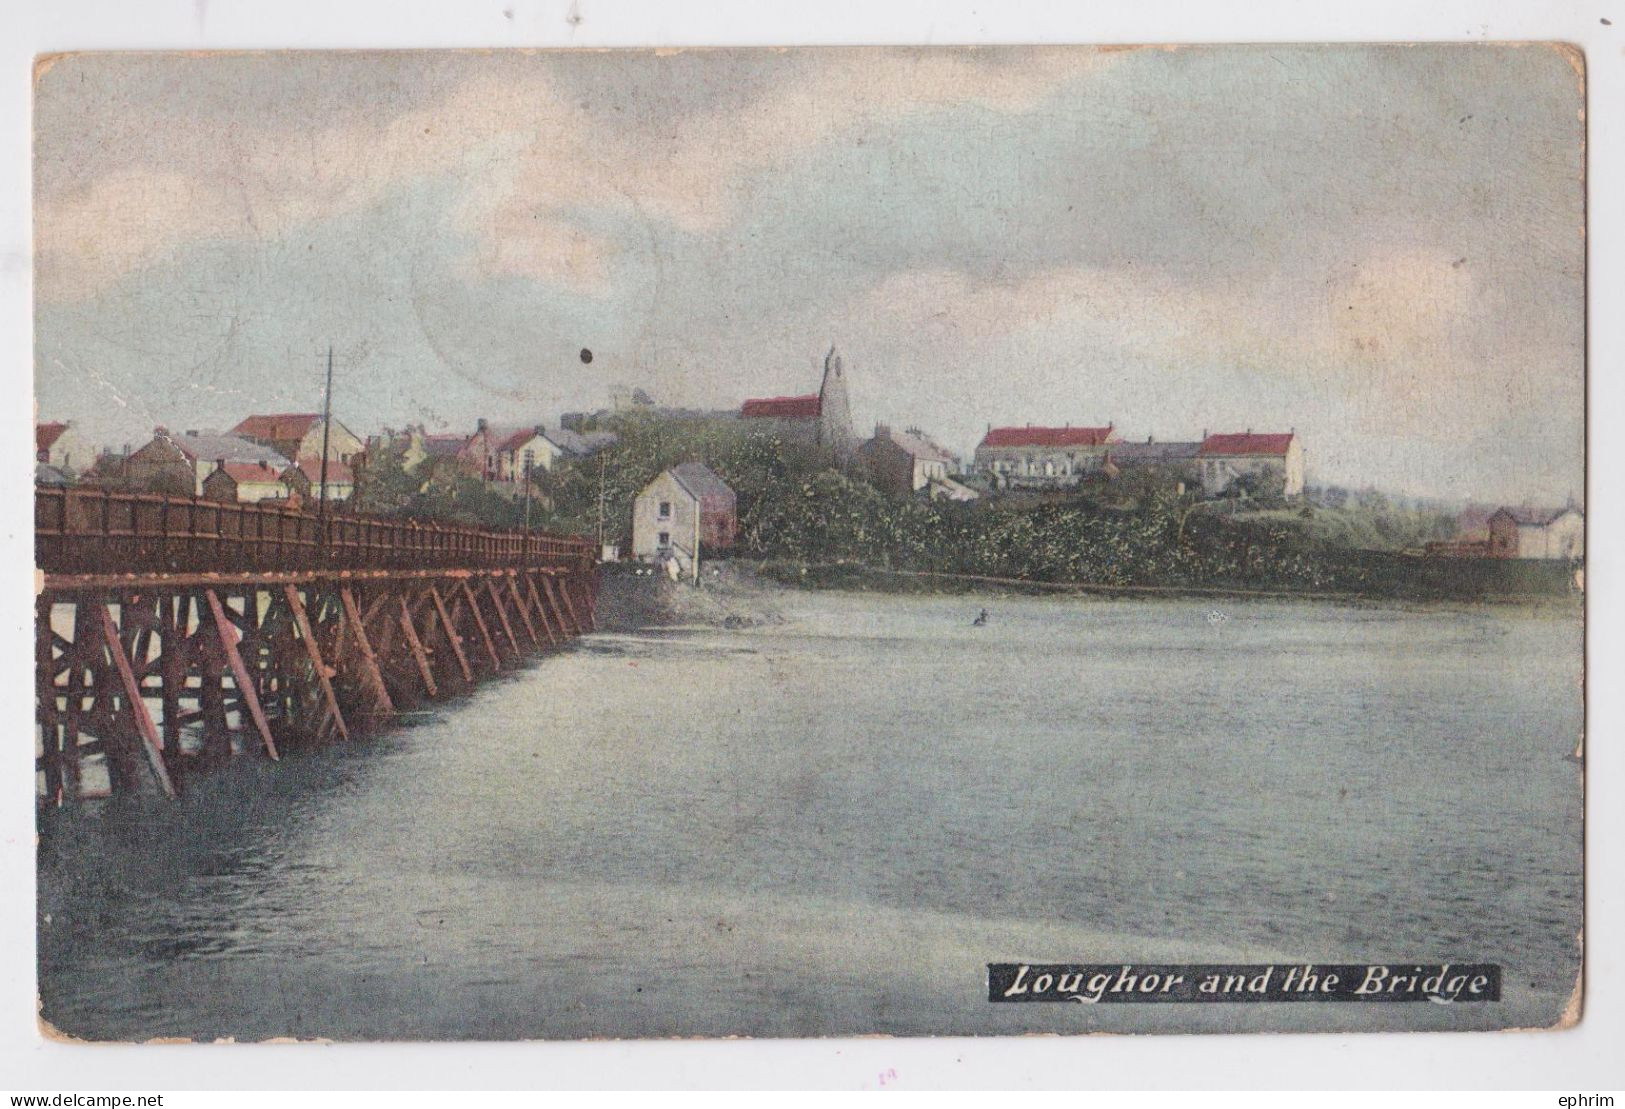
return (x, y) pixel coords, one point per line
(809, 542)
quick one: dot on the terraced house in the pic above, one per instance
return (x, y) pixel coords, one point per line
(1265, 464)
(1042, 457)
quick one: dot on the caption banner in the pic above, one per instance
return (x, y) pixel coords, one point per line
(1146, 983)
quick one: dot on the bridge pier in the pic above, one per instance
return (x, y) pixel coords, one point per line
(292, 637)
(152, 682)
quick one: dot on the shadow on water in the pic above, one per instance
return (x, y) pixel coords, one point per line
(657, 642)
(227, 832)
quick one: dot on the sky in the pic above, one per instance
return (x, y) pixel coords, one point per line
(1381, 248)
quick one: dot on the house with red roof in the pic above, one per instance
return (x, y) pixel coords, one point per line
(1547, 533)
(685, 513)
(179, 463)
(1042, 457)
(1269, 463)
(297, 435)
(305, 478)
(497, 453)
(244, 483)
(60, 446)
(501, 454)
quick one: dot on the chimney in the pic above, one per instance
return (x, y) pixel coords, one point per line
(220, 463)
(191, 433)
(479, 424)
(126, 450)
(882, 431)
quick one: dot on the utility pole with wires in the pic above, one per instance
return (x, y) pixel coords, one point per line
(530, 458)
(327, 426)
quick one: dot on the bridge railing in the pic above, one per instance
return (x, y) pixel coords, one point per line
(81, 530)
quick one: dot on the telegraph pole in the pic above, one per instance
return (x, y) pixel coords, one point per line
(528, 456)
(327, 426)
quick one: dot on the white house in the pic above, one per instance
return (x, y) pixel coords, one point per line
(59, 445)
(687, 509)
(1272, 463)
(1538, 533)
(501, 453)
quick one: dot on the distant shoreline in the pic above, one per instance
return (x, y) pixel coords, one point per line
(738, 592)
(846, 575)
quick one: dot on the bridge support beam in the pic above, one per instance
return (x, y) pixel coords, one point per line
(144, 682)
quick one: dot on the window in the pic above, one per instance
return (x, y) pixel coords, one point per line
(665, 512)
(665, 539)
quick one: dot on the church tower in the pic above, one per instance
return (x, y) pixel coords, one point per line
(834, 409)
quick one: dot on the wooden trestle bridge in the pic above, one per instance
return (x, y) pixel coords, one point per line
(175, 634)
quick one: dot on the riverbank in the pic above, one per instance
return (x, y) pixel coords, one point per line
(853, 576)
(742, 588)
(728, 595)
(737, 594)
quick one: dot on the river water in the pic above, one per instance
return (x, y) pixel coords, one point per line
(831, 825)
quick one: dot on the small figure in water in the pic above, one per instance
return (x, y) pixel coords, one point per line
(981, 619)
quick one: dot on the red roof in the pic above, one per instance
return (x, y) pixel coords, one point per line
(285, 425)
(337, 472)
(1047, 437)
(248, 473)
(513, 440)
(1246, 443)
(782, 408)
(46, 435)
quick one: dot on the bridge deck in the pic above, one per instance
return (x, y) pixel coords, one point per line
(90, 531)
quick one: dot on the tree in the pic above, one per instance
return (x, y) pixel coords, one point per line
(382, 484)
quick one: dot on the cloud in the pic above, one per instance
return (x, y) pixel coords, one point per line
(121, 223)
(1371, 243)
(1392, 306)
(530, 159)
(1393, 344)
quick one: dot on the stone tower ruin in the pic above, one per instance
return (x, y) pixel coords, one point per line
(834, 408)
